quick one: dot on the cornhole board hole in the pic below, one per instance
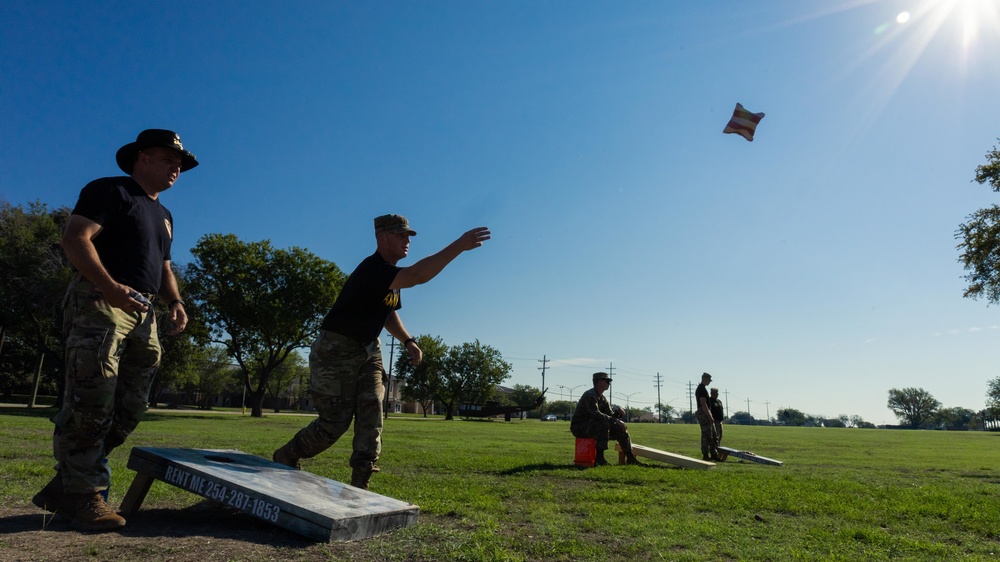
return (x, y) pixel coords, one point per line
(663, 456)
(747, 456)
(304, 503)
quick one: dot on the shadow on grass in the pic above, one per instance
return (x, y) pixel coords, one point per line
(552, 466)
(205, 520)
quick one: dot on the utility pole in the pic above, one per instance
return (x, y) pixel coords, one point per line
(748, 407)
(690, 399)
(659, 404)
(726, 392)
(611, 373)
(388, 388)
(767, 405)
(544, 362)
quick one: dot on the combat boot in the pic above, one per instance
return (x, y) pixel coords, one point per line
(286, 456)
(360, 476)
(92, 514)
(599, 460)
(630, 459)
(52, 498)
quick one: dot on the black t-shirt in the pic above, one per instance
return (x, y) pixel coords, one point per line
(718, 412)
(366, 301)
(701, 392)
(136, 231)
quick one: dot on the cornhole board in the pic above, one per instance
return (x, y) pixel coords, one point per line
(663, 456)
(304, 503)
(748, 456)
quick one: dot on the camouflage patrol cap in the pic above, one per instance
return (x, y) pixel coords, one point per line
(393, 223)
(602, 377)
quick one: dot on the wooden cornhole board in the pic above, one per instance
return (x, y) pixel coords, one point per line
(748, 456)
(663, 456)
(304, 503)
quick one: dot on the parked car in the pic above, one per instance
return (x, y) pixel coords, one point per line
(549, 417)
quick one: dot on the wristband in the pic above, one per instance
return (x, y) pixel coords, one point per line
(407, 341)
(175, 301)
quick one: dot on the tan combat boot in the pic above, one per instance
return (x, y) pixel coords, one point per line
(92, 514)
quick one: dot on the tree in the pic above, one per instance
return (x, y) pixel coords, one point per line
(214, 374)
(993, 397)
(259, 302)
(956, 418)
(182, 353)
(791, 416)
(286, 379)
(34, 274)
(742, 418)
(665, 412)
(524, 394)
(913, 406)
(980, 239)
(471, 373)
(420, 383)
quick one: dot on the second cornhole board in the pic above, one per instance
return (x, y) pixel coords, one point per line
(305, 503)
(748, 456)
(663, 456)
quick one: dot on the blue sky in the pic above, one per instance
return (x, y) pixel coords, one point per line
(814, 268)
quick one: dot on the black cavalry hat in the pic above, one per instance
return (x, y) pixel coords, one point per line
(153, 137)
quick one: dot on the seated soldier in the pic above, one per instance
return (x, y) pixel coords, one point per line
(595, 418)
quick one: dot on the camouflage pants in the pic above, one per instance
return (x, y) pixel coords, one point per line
(709, 438)
(347, 384)
(718, 432)
(111, 358)
(603, 431)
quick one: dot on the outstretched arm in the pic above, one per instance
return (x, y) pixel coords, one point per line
(427, 268)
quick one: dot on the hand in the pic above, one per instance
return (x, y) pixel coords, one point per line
(120, 297)
(179, 318)
(416, 355)
(473, 238)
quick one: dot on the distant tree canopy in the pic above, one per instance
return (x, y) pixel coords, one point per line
(467, 372)
(34, 274)
(260, 302)
(914, 407)
(993, 396)
(742, 418)
(791, 416)
(980, 239)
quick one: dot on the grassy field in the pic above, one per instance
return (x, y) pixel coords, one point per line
(509, 491)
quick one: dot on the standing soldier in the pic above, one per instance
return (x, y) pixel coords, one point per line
(718, 413)
(347, 377)
(118, 240)
(709, 441)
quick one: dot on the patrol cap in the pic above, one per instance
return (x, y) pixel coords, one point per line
(149, 138)
(393, 223)
(602, 377)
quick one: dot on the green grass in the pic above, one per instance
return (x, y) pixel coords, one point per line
(509, 491)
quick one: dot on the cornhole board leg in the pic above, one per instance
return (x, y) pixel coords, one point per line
(748, 456)
(310, 505)
(663, 456)
(135, 494)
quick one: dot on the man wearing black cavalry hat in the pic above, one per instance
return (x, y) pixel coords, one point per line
(118, 240)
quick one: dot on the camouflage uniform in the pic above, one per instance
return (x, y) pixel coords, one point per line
(347, 383)
(111, 357)
(594, 417)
